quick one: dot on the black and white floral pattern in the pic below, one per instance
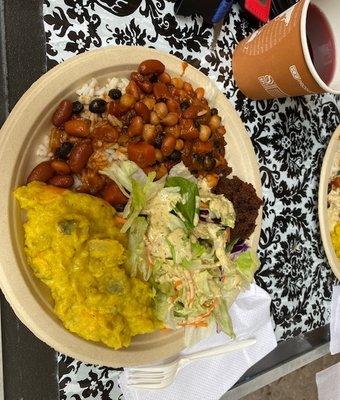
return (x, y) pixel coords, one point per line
(290, 137)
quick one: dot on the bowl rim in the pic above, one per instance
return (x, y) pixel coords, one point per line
(18, 294)
(327, 164)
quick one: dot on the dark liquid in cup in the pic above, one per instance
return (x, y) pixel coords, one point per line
(321, 43)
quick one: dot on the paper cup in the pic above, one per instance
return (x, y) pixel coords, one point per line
(275, 60)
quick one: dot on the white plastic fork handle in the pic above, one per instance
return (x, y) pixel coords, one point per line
(226, 348)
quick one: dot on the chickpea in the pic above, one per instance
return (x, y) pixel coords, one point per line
(215, 122)
(174, 130)
(149, 133)
(164, 77)
(187, 87)
(149, 102)
(127, 100)
(159, 155)
(170, 120)
(179, 144)
(199, 93)
(212, 180)
(168, 145)
(205, 133)
(154, 119)
(161, 109)
(136, 126)
(161, 171)
(177, 82)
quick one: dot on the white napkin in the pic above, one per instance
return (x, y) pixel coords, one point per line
(210, 378)
(335, 321)
(328, 383)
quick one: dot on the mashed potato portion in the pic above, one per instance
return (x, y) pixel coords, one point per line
(74, 245)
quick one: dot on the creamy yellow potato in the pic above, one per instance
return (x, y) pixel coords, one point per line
(75, 247)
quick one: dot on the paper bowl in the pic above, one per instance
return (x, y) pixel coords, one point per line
(29, 121)
(328, 161)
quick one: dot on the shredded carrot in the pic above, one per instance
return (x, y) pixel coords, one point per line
(121, 220)
(177, 284)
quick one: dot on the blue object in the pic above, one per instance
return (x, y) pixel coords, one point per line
(212, 11)
(222, 10)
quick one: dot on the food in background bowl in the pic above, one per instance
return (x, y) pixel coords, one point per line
(154, 149)
(333, 200)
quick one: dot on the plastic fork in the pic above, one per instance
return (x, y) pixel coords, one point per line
(160, 376)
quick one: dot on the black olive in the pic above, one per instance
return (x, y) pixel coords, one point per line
(64, 150)
(77, 107)
(197, 123)
(119, 207)
(115, 94)
(184, 105)
(97, 106)
(159, 140)
(175, 156)
(153, 78)
(214, 111)
(209, 162)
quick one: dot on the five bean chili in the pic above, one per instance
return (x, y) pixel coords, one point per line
(159, 121)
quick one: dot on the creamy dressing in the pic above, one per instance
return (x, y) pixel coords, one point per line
(161, 221)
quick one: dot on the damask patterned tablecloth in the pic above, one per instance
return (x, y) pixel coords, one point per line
(290, 137)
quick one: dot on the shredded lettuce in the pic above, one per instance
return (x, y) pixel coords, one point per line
(247, 263)
(186, 209)
(137, 252)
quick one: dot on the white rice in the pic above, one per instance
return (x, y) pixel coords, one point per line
(42, 152)
(89, 91)
(92, 89)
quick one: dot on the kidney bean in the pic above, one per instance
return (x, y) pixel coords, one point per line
(78, 127)
(143, 111)
(79, 156)
(136, 126)
(106, 132)
(173, 105)
(115, 108)
(161, 91)
(63, 181)
(145, 86)
(42, 172)
(113, 195)
(148, 67)
(62, 113)
(61, 167)
(168, 145)
(143, 154)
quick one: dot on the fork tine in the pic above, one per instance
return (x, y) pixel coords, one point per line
(156, 368)
(152, 385)
(150, 376)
